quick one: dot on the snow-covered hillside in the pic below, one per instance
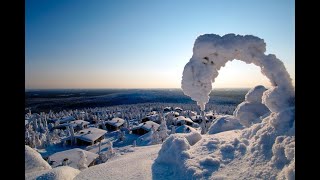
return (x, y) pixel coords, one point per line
(256, 142)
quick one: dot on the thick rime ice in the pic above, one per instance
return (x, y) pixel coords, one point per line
(264, 150)
(211, 52)
(250, 111)
(34, 161)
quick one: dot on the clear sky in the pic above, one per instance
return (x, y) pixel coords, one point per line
(145, 43)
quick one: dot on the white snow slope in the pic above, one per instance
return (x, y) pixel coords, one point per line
(135, 165)
(34, 161)
(58, 173)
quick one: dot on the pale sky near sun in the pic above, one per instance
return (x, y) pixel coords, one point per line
(145, 44)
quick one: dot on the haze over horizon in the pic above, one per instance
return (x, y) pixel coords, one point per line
(145, 44)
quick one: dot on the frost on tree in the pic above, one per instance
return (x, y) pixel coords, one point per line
(82, 164)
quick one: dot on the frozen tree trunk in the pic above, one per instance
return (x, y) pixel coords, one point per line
(203, 123)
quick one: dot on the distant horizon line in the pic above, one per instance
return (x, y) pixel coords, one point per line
(28, 89)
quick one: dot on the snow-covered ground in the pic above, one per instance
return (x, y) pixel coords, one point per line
(134, 165)
(140, 164)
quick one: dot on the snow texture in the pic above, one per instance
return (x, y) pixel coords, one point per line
(147, 126)
(185, 129)
(264, 150)
(59, 173)
(211, 52)
(250, 111)
(116, 122)
(225, 123)
(34, 161)
(136, 165)
(73, 155)
(182, 120)
(90, 134)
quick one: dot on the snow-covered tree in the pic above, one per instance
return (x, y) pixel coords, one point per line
(173, 130)
(82, 164)
(38, 141)
(110, 151)
(122, 135)
(155, 136)
(163, 130)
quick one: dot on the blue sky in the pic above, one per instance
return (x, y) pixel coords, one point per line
(145, 44)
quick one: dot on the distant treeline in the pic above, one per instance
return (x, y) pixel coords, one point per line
(57, 100)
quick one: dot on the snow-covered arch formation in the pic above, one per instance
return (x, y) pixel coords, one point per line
(211, 52)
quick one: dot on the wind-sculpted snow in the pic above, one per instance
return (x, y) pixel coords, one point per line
(263, 150)
(211, 52)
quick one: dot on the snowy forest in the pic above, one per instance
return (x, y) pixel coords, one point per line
(254, 139)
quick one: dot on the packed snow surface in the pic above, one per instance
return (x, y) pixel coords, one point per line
(136, 165)
(59, 173)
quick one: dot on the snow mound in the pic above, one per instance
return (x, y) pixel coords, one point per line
(250, 111)
(34, 161)
(254, 95)
(225, 123)
(59, 173)
(172, 150)
(203, 158)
